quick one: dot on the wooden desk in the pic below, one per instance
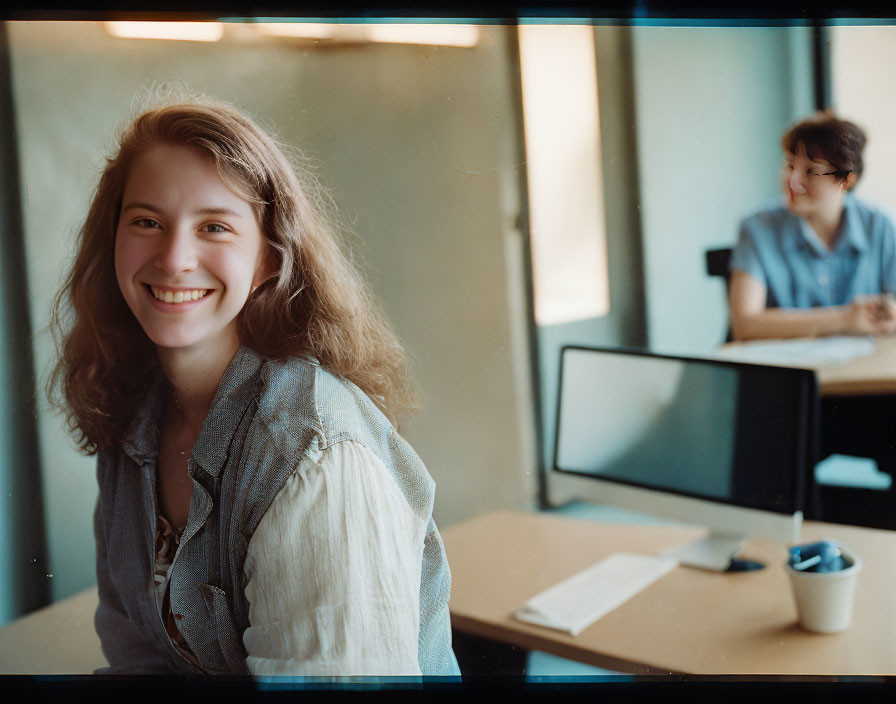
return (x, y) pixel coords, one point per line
(863, 376)
(58, 639)
(689, 621)
(872, 375)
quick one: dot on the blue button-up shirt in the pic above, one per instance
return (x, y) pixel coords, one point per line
(782, 251)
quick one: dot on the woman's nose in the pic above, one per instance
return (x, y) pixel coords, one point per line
(797, 182)
(177, 252)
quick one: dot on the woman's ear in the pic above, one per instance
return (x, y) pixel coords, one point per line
(851, 179)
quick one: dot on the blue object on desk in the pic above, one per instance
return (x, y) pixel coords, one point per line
(823, 556)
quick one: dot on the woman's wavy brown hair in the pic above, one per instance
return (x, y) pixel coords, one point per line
(316, 303)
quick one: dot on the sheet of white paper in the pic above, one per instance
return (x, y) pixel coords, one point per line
(801, 352)
(577, 602)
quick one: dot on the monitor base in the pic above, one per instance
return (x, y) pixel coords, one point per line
(712, 552)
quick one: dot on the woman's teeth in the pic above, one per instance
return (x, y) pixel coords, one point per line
(178, 296)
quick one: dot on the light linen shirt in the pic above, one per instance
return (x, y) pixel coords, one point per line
(333, 572)
(783, 252)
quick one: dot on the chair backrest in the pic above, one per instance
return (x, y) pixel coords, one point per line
(717, 261)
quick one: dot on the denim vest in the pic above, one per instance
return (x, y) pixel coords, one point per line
(264, 419)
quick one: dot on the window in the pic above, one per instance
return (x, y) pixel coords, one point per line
(566, 209)
(861, 61)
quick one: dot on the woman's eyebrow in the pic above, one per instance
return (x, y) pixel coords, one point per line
(138, 205)
(218, 211)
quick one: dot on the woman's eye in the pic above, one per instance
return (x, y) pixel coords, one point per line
(146, 222)
(215, 228)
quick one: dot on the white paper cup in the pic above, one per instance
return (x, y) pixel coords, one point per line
(824, 600)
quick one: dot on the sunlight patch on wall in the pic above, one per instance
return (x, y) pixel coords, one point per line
(185, 31)
(860, 61)
(566, 207)
(434, 34)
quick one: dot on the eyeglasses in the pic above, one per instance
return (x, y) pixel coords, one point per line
(812, 172)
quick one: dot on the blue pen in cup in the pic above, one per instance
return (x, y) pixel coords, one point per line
(823, 576)
(822, 556)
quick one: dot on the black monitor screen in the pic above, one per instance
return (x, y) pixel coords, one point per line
(725, 431)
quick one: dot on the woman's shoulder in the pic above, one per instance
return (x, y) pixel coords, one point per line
(305, 380)
(302, 398)
(769, 226)
(872, 214)
(769, 215)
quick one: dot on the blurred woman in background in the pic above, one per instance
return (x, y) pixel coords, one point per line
(823, 262)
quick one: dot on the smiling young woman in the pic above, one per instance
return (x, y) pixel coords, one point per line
(824, 261)
(258, 511)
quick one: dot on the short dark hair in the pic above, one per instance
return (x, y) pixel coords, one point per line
(825, 136)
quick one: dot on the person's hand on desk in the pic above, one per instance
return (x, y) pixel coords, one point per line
(871, 315)
(751, 319)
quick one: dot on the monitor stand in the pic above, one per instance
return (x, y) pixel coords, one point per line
(712, 552)
(716, 550)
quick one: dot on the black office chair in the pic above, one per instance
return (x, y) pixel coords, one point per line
(717, 261)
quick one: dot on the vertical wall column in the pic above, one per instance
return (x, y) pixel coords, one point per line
(23, 565)
(821, 59)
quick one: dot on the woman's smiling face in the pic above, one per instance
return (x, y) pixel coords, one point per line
(810, 185)
(188, 250)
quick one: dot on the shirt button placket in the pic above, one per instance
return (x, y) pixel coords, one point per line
(824, 282)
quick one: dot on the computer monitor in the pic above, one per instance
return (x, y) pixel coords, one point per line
(722, 444)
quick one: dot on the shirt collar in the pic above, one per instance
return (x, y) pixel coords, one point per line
(851, 233)
(239, 385)
(141, 440)
(811, 238)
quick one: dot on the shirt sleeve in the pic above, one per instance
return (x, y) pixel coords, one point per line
(333, 572)
(745, 256)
